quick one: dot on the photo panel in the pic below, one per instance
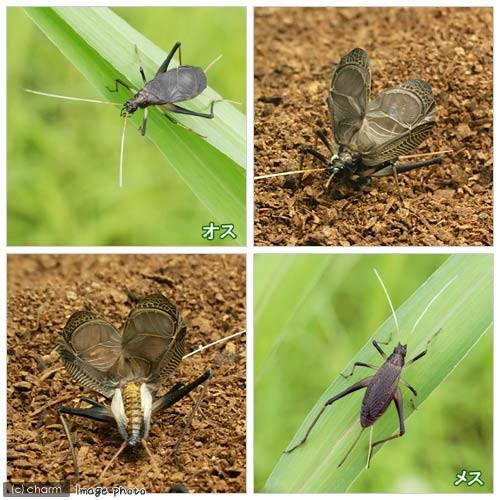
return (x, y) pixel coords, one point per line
(135, 363)
(337, 373)
(128, 127)
(373, 126)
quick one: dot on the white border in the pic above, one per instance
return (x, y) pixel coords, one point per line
(250, 250)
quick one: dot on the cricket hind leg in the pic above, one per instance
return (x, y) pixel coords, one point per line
(183, 111)
(178, 392)
(355, 387)
(178, 123)
(407, 167)
(398, 401)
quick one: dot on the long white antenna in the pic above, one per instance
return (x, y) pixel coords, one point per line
(69, 98)
(217, 59)
(122, 144)
(202, 348)
(390, 303)
(281, 174)
(431, 302)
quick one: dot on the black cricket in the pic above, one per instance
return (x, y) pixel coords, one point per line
(370, 135)
(167, 88)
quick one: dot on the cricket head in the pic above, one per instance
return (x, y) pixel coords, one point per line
(343, 158)
(140, 100)
(398, 355)
(129, 108)
(131, 406)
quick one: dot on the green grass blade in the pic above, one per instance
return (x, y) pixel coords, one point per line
(101, 46)
(463, 312)
(275, 273)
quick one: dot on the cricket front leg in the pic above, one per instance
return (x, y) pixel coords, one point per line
(144, 122)
(166, 62)
(424, 352)
(119, 82)
(398, 402)
(359, 364)
(353, 388)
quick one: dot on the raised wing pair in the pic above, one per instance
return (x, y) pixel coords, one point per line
(126, 367)
(371, 135)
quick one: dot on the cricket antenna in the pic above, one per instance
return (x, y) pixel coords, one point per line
(291, 172)
(431, 302)
(122, 144)
(202, 348)
(217, 59)
(390, 303)
(70, 98)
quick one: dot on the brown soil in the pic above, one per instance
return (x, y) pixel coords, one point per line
(44, 290)
(295, 52)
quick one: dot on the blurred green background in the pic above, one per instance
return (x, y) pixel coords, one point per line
(63, 156)
(333, 304)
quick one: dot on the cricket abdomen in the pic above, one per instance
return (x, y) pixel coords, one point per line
(379, 394)
(131, 394)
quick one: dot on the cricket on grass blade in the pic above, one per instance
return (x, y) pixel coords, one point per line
(370, 136)
(166, 89)
(384, 387)
(127, 367)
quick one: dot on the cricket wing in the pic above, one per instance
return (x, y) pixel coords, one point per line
(396, 122)
(349, 95)
(153, 340)
(89, 349)
(379, 393)
(179, 84)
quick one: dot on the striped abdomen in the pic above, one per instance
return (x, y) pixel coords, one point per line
(131, 394)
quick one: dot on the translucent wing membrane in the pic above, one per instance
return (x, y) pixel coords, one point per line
(154, 336)
(100, 358)
(89, 349)
(396, 122)
(349, 95)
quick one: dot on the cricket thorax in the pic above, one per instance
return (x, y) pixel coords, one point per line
(131, 407)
